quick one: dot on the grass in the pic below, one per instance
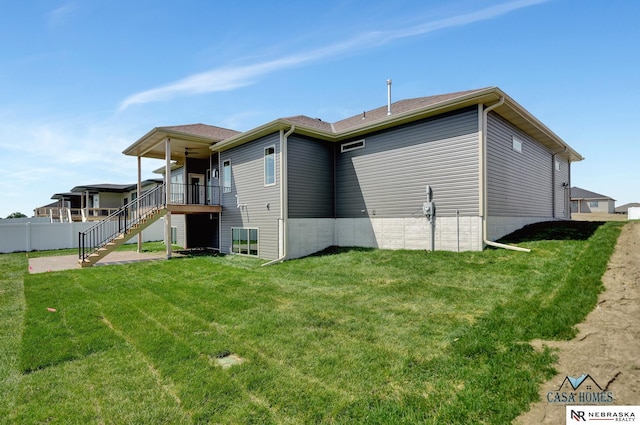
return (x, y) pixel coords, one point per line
(349, 336)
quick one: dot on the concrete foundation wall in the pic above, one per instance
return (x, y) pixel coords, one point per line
(498, 227)
(307, 236)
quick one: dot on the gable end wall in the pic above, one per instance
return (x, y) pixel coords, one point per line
(387, 178)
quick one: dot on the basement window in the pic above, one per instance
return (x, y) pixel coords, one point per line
(244, 241)
(346, 147)
(517, 144)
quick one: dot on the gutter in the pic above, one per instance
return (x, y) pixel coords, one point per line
(483, 182)
(284, 194)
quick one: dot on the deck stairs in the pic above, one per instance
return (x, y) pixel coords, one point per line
(107, 235)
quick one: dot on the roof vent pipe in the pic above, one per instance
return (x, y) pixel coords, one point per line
(389, 97)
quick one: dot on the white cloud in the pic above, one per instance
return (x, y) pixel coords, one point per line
(230, 78)
(43, 158)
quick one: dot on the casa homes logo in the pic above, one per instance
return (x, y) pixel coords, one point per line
(599, 414)
(583, 389)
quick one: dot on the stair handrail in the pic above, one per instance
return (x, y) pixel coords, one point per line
(120, 221)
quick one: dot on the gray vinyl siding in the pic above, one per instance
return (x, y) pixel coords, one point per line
(247, 181)
(519, 183)
(387, 178)
(310, 178)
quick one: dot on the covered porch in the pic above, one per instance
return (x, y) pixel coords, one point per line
(190, 173)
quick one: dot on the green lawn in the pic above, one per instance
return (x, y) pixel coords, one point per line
(351, 336)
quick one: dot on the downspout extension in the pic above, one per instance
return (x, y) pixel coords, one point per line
(284, 194)
(485, 203)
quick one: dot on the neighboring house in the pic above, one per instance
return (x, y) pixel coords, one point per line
(92, 202)
(584, 201)
(296, 185)
(624, 209)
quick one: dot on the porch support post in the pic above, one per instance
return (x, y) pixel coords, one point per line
(167, 184)
(86, 205)
(139, 189)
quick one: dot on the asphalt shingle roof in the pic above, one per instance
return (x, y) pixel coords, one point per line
(203, 130)
(578, 193)
(377, 114)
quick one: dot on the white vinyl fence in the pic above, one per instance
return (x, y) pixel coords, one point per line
(21, 236)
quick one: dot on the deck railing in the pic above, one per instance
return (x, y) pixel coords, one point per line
(61, 214)
(194, 194)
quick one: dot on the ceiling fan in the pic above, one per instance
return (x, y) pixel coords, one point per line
(190, 151)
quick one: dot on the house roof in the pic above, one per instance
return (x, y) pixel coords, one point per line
(104, 187)
(406, 111)
(109, 187)
(65, 195)
(191, 140)
(195, 140)
(400, 107)
(624, 209)
(51, 205)
(203, 130)
(578, 193)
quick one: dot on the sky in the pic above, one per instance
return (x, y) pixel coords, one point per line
(80, 81)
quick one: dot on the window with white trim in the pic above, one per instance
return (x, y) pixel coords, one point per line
(350, 146)
(244, 240)
(270, 166)
(226, 176)
(516, 144)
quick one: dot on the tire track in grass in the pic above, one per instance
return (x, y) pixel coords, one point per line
(293, 373)
(167, 387)
(168, 354)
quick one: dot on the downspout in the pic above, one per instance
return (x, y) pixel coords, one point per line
(483, 182)
(553, 181)
(567, 191)
(284, 194)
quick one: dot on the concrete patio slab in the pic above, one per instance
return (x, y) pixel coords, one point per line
(69, 262)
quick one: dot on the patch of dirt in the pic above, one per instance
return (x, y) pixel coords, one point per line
(607, 346)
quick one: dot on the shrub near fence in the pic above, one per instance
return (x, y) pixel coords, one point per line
(39, 236)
